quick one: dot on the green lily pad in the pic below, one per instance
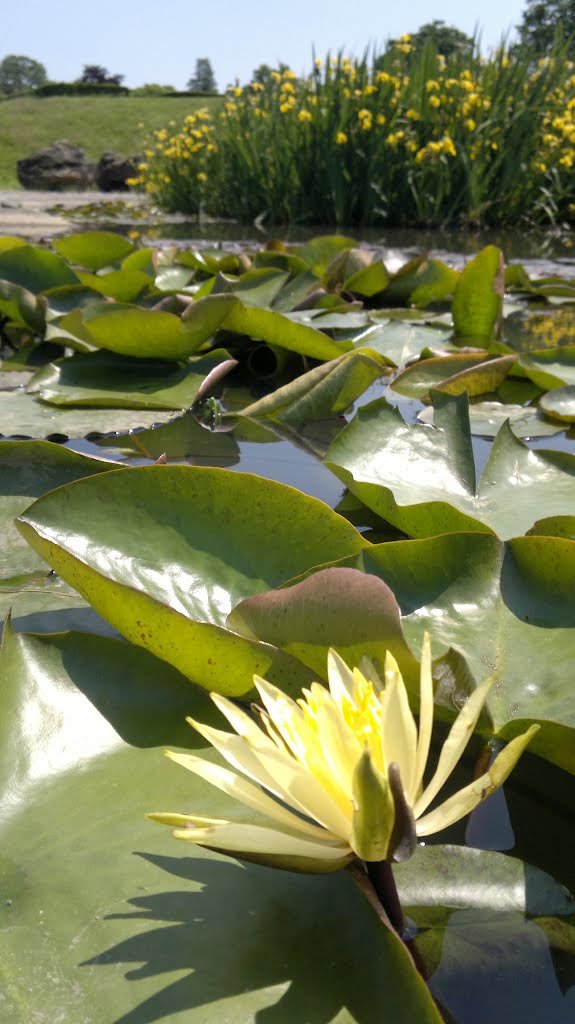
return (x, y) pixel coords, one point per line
(550, 368)
(453, 374)
(478, 299)
(179, 565)
(24, 416)
(487, 418)
(509, 609)
(131, 331)
(400, 342)
(93, 249)
(27, 470)
(121, 285)
(341, 608)
(227, 312)
(104, 380)
(559, 404)
(423, 480)
(420, 282)
(35, 269)
(490, 959)
(319, 393)
(321, 250)
(181, 438)
(22, 306)
(367, 281)
(125, 920)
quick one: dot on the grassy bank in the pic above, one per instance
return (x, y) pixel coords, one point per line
(96, 123)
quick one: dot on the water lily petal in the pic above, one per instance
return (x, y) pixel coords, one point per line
(340, 678)
(240, 837)
(248, 794)
(459, 735)
(340, 747)
(464, 801)
(286, 716)
(304, 791)
(398, 729)
(238, 752)
(425, 719)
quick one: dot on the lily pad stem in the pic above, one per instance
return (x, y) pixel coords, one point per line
(381, 877)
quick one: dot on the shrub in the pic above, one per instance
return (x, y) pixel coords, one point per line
(413, 140)
(81, 89)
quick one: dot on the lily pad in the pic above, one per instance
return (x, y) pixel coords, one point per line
(559, 404)
(453, 374)
(400, 342)
(478, 299)
(227, 312)
(103, 380)
(94, 249)
(21, 415)
(35, 269)
(182, 438)
(550, 368)
(321, 392)
(27, 470)
(178, 565)
(423, 479)
(509, 609)
(487, 418)
(165, 931)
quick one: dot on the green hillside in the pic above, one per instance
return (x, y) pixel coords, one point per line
(96, 123)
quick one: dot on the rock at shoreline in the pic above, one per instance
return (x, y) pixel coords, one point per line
(113, 171)
(57, 168)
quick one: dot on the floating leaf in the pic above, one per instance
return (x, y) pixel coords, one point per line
(420, 282)
(454, 375)
(94, 249)
(24, 417)
(27, 470)
(35, 269)
(509, 609)
(487, 418)
(81, 761)
(478, 298)
(423, 479)
(146, 333)
(104, 380)
(550, 368)
(400, 342)
(22, 307)
(341, 608)
(325, 390)
(178, 568)
(226, 312)
(560, 404)
(121, 285)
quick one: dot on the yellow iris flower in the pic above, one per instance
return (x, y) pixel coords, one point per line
(337, 774)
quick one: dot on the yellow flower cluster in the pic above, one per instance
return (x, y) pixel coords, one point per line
(383, 117)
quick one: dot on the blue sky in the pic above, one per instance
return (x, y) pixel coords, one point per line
(159, 40)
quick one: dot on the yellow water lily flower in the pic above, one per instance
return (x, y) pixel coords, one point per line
(337, 774)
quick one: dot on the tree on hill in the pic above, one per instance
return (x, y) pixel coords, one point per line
(543, 21)
(446, 39)
(95, 74)
(19, 73)
(203, 79)
(263, 73)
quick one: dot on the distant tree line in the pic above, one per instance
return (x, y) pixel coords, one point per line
(544, 22)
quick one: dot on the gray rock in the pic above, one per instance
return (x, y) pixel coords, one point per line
(113, 170)
(56, 168)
